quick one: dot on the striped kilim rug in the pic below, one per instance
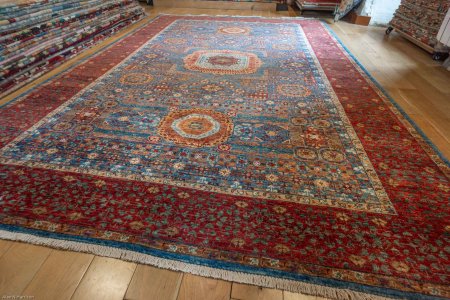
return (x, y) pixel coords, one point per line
(248, 149)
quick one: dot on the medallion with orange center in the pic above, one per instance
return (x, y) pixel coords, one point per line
(196, 127)
(234, 30)
(225, 62)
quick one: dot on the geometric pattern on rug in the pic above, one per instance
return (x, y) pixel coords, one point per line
(264, 134)
(241, 144)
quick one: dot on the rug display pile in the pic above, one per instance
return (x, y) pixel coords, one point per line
(421, 19)
(330, 5)
(345, 7)
(37, 35)
(248, 149)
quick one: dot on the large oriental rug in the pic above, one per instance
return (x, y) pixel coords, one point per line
(248, 149)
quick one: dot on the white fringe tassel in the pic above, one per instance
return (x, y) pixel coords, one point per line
(136, 257)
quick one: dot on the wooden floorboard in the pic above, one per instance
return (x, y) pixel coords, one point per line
(200, 288)
(4, 246)
(251, 292)
(295, 296)
(414, 80)
(106, 279)
(19, 265)
(59, 275)
(161, 284)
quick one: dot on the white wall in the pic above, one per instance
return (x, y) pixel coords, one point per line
(381, 11)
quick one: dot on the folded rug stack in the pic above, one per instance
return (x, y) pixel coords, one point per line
(35, 36)
(318, 4)
(421, 20)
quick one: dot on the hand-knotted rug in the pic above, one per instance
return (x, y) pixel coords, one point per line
(248, 149)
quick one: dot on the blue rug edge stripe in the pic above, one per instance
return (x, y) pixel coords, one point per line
(227, 266)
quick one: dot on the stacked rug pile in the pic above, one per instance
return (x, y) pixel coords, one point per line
(420, 20)
(38, 35)
(318, 4)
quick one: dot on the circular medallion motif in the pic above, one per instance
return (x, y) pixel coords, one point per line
(296, 121)
(322, 123)
(84, 129)
(293, 90)
(305, 154)
(234, 30)
(110, 104)
(62, 126)
(228, 62)
(136, 78)
(333, 156)
(196, 127)
(221, 60)
(151, 56)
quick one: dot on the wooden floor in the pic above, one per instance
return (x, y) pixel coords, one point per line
(408, 73)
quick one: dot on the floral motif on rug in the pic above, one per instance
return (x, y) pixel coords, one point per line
(242, 144)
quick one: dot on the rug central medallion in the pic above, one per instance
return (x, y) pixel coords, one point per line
(196, 127)
(222, 62)
(214, 112)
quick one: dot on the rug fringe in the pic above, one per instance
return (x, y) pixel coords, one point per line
(239, 277)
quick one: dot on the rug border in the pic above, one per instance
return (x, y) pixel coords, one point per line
(301, 283)
(228, 271)
(387, 95)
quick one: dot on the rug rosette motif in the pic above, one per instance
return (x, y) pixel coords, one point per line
(249, 145)
(222, 62)
(196, 127)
